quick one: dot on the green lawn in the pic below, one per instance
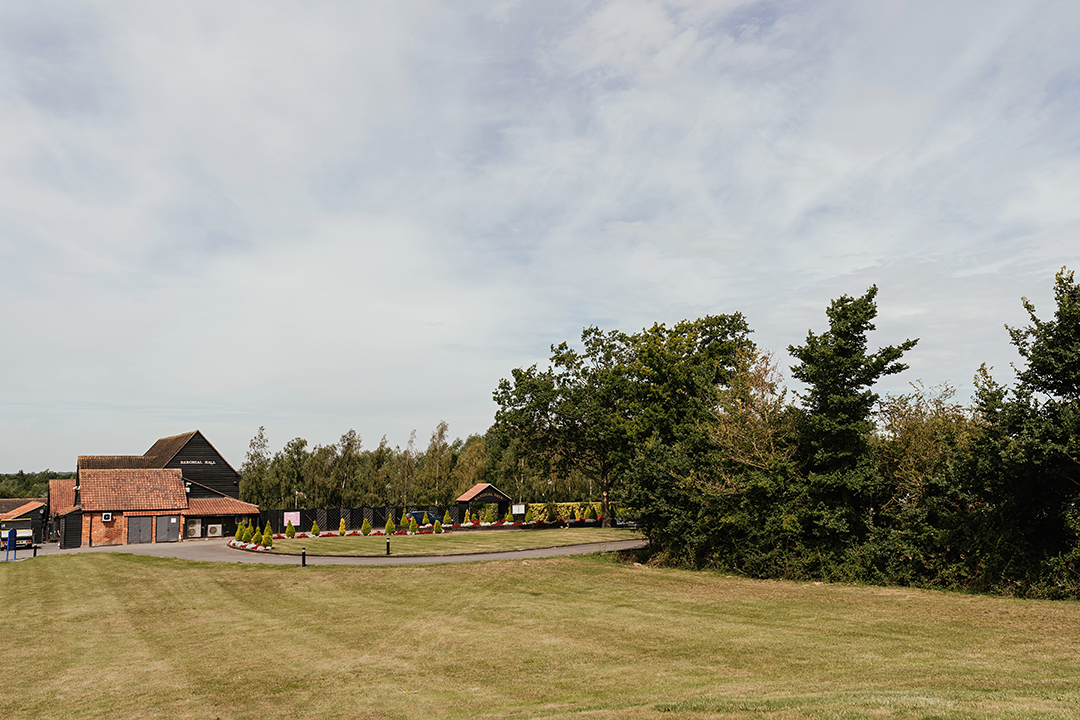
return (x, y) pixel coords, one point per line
(452, 543)
(124, 636)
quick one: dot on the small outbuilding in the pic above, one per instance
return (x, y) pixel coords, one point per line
(483, 493)
(28, 515)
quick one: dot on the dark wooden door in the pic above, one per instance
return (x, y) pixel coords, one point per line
(168, 528)
(140, 529)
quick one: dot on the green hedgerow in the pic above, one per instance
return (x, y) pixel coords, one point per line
(437, 528)
(390, 529)
(365, 529)
(315, 528)
(290, 531)
(446, 519)
(341, 527)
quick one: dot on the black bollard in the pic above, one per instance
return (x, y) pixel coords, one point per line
(387, 544)
(35, 551)
(303, 557)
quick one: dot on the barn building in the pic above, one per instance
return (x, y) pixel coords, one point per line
(180, 488)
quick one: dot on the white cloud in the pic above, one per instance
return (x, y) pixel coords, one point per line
(363, 215)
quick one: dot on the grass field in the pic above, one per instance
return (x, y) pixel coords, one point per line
(452, 543)
(129, 636)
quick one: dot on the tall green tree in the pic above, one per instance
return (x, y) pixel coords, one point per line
(253, 480)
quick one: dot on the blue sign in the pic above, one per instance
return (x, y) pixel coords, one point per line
(11, 535)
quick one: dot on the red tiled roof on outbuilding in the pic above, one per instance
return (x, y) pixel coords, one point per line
(131, 489)
(22, 510)
(220, 506)
(61, 496)
(484, 491)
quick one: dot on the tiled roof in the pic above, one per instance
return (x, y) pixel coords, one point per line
(483, 489)
(166, 448)
(220, 506)
(9, 504)
(61, 496)
(22, 510)
(114, 462)
(131, 489)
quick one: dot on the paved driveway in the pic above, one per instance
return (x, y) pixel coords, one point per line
(219, 551)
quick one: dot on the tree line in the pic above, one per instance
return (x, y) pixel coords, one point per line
(690, 429)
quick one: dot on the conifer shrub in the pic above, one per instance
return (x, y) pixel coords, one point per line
(426, 521)
(341, 527)
(578, 515)
(290, 531)
(528, 514)
(466, 516)
(446, 519)
(315, 528)
(590, 512)
(268, 539)
(255, 537)
(551, 516)
(390, 528)
(412, 526)
(268, 532)
(404, 518)
(509, 516)
(489, 515)
(437, 528)
(239, 534)
(365, 529)
(246, 535)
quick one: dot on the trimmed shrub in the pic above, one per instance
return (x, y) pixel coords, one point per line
(466, 516)
(255, 537)
(489, 516)
(290, 531)
(247, 532)
(426, 521)
(268, 539)
(446, 519)
(315, 528)
(365, 529)
(590, 512)
(239, 534)
(404, 518)
(268, 533)
(390, 528)
(412, 526)
(509, 515)
(551, 516)
(578, 515)
(341, 527)
(528, 515)
(437, 528)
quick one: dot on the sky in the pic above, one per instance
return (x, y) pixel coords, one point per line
(324, 216)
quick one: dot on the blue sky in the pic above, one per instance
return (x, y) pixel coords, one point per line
(322, 216)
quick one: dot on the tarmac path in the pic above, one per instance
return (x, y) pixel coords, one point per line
(219, 551)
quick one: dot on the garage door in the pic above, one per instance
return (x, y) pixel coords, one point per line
(168, 528)
(139, 529)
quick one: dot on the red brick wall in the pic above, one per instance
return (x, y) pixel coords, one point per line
(97, 532)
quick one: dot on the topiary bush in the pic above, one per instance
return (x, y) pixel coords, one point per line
(290, 531)
(268, 532)
(246, 535)
(426, 521)
(446, 519)
(590, 512)
(466, 516)
(365, 529)
(489, 515)
(528, 515)
(404, 518)
(509, 516)
(412, 526)
(390, 528)
(268, 539)
(315, 528)
(551, 516)
(239, 534)
(341, 527)
(437, 528)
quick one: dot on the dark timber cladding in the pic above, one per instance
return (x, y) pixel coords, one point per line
(199, 461)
